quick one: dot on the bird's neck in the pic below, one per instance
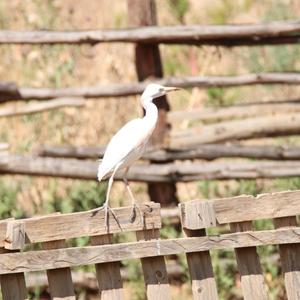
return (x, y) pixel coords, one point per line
(151, 114)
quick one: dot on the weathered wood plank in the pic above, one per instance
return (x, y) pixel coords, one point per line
(170, 172)
(225, 35)
(290, 260)
(89, 223)
(154, 269)
(11, 91)
(15, 235)
(208, 152)
(201, 271)
(239, 209)
(60, 280)
(108, 274)
(70, 257)
(249, 267)
(13, 286)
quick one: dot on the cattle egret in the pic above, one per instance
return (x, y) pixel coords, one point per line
(128, 145)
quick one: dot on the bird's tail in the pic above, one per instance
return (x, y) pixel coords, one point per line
(102, 172)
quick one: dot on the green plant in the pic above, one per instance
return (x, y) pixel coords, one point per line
(179, 8)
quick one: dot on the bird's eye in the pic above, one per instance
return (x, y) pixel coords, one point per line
(161, 90)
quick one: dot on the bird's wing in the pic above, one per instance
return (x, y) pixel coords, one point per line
(130, 137)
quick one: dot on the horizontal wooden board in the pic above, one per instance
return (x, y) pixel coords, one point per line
(239, 209)
(70, 257)
(88, 223)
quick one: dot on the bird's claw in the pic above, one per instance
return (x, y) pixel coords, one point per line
(133, 213)
(106, 217)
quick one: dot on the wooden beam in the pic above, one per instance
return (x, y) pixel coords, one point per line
(171, 172)
(206, 151)
(218, 114)
(222, 35)
(32, 108)
(89, 223)
(276, 125)
(239, 209)
(11, 91)
(75, 256)
(148, 65)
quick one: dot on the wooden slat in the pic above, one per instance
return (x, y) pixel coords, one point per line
(203, 214)
(201, 271)
(290, 260)
(75, 256)
(60, 280)
(154, 269)
(89, 223)
(108, 274)
(13, 286)
(252, 278)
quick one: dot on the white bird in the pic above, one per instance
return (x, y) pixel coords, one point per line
(128, 144)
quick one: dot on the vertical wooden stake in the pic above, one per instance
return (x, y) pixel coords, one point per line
(154, 270)
(290, 260)
(148, 64)
(60, 280)
(13, 286)
(252, 278)
(200, 267)
(108, 274)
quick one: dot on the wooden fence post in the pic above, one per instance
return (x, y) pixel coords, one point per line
(201, 271)
(290, 260)
(148, 64)
(154, 270)
(60, 280)
(108, 274)
(249, 267)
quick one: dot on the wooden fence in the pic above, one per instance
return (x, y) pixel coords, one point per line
(54, 231)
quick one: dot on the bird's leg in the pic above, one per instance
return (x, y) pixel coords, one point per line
(106, 206)
(134, 206)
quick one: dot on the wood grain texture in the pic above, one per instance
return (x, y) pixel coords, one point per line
(225, 35)
(15, 235)
(60, 280)
(13, 286)
(88, 223)
(249, 267)
(201, 271)
(290, 260)
(241, 208)
(70, 257)
(108, 274)
(11, 91)
(154, 269)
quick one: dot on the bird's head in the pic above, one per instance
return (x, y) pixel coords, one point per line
(154, 90)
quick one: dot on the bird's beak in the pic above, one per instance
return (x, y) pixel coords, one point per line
(171, 88)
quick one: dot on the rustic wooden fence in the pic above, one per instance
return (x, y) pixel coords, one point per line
(144, 33)
(52, 232)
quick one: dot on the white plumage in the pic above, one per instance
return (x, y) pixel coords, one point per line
(129, 143)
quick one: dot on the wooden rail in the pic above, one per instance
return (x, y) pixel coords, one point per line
(11, 91)
(206, 151)
(287, 32)
(196, 215)
(171, 172)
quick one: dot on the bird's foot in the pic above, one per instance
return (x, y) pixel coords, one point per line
(133, 214)
(107, 209)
